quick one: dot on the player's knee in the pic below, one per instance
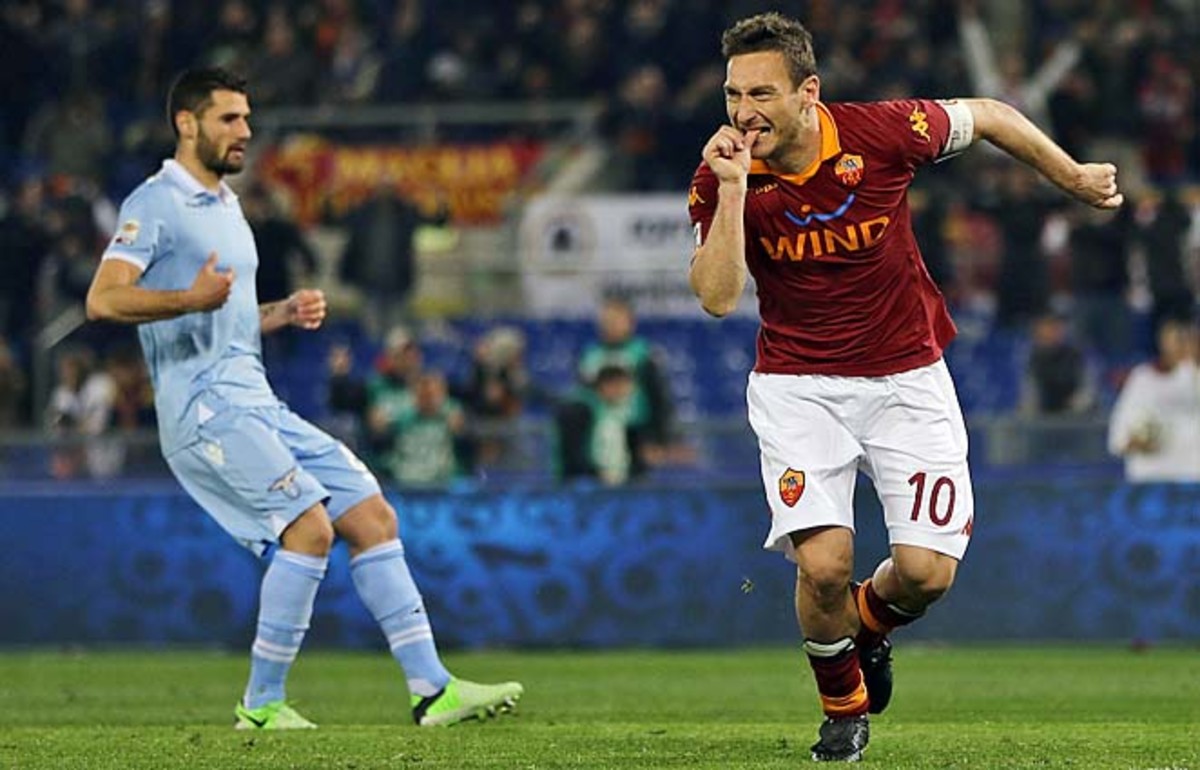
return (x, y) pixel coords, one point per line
(927, 577)
(825, 563)
(386, 526)
(311, 533)
(368, 524)
(826, 583)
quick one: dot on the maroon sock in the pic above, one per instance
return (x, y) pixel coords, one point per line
(878, 616)
(839, 677)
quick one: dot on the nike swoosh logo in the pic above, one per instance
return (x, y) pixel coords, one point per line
(255, 722)
(804, 221)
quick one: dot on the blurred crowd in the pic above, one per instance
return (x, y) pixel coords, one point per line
(610, 424)
(86, 78)
(82, 124)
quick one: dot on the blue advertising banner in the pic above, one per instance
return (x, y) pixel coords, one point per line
(591, 567)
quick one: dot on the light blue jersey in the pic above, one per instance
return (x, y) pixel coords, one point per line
(198, 362)
(251, 463)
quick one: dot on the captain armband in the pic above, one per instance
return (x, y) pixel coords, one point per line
(962, 127)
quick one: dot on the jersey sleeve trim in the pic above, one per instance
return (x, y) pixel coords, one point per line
(125, 257)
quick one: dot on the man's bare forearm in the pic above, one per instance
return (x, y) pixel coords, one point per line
(134, 305)
(273, 316)
(718, 273)
(1005, 127)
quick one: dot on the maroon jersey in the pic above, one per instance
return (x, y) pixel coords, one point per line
(842, 288)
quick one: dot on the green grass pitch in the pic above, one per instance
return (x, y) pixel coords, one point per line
(985, 707)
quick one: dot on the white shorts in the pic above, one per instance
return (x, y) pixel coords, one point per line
(905, 431)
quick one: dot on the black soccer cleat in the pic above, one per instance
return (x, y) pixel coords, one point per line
(842, 739)
(876, 664)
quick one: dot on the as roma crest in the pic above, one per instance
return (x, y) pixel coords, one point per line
(849, 169)
(791, 487)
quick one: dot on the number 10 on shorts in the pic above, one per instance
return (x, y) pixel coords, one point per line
(941, 497)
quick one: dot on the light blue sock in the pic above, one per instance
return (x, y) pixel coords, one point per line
(285, 607)
(386, 586)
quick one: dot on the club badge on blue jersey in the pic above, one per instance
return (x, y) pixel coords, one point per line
(128, 232)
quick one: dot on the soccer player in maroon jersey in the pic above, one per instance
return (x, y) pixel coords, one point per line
(810, 198)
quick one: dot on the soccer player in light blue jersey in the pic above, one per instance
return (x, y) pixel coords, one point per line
(181, 266)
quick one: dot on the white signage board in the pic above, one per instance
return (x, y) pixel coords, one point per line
(575, 250)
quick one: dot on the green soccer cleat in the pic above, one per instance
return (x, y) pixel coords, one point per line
(461, 700)
(276, 715)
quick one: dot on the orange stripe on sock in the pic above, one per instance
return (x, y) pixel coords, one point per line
(846, 705)
(864, 610)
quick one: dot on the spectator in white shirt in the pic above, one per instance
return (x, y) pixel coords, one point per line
(1155, 424)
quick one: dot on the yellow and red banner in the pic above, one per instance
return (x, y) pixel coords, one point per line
(325, 179)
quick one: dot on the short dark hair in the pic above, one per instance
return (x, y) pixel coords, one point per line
(192, 91)
(773, 32)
